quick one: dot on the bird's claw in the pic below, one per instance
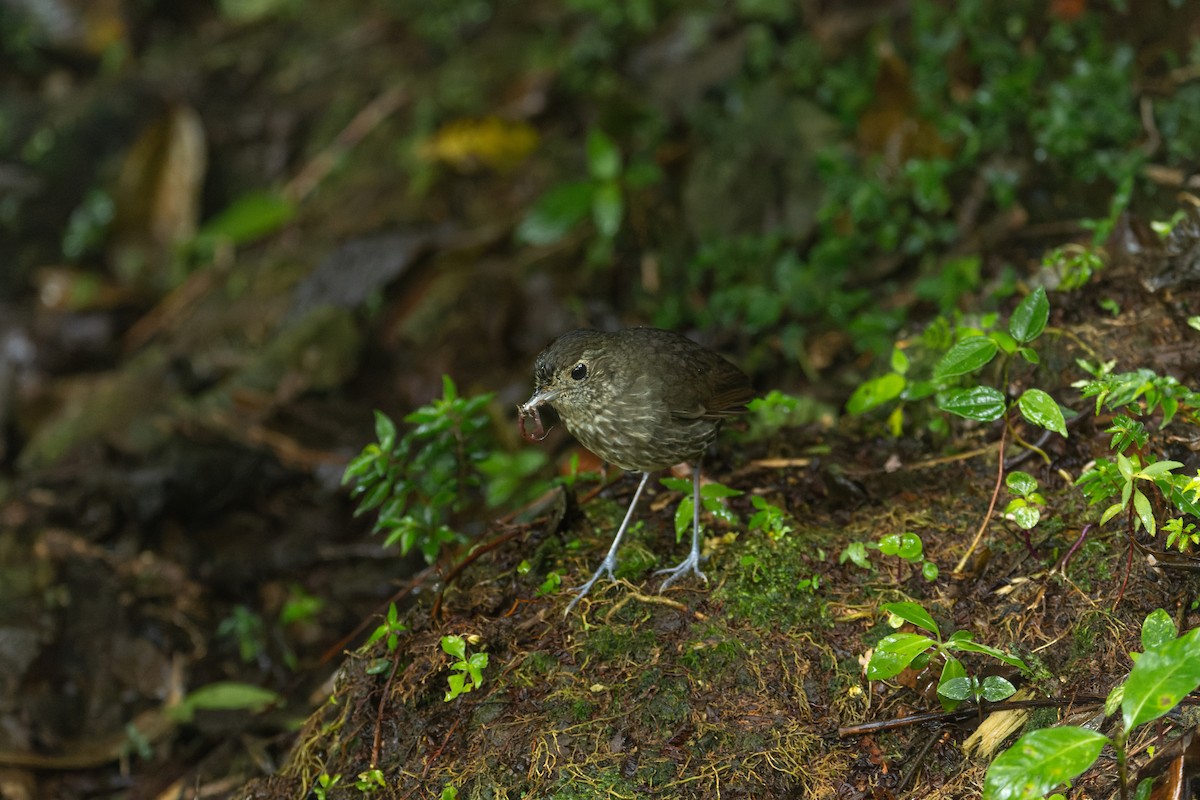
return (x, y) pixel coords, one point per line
(690, 564)
(583, 589)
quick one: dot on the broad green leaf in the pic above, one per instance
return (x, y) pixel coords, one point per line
(718, 490)
(556, 213)
(1026, 516)
(974, 647)
(910, 546)
(968, 355)
(250, 217)
(1005, 342)
(1158, 629)
(995, 688)
(895, 652)
(958, 688)
(875, 392)
(889, 544)
(952, 671)
(1145, 514)
(1125, 467)
(607, 209)
(899, 361)
(1160, 679)
(455, 646)
(1158, 468)
(857, 553)
(980, 403)
(1029, 318)
(1021, 483)
(603, 156)
(1040, 409)
(1041, 760)
(224, 696)
(677, 484)
(685, 517)
(914, 613)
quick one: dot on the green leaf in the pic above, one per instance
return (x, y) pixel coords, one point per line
(224, 696)
(250, 217)
(374, 498)
(1159, 468)
(952, 672)
(1111, 512)
(968, 355)
(996, 688)
(556, 213)
(1005, 342)
(914, 613)
(1026, 516)
(899, 361)
(1021, 483)
(1029, 318)
(1145, 514)
(385, 431)
(1030, 355)
(1040, 409)
(875, 392)
(957, 689)
(910, 546)
(360, 465)
(1160, 679)
(895, 652)
(974, 647)
(889, 544)
(715, 490)
(1041, 760)
(1158, 629)
(857, 553)
(607, 209)
(603, 156)
(684, 517)
(455, 646)
(980, 403)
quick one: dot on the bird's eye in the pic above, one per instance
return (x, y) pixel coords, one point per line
(579, 372)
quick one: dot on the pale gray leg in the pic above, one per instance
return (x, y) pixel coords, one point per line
(610, 560)
(692, 562)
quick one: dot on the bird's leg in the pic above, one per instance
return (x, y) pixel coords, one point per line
(610, 560)
(692, 562)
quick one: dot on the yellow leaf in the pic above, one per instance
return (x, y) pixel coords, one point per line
(469, 145)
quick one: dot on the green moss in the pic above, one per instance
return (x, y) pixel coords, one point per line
(762, 586)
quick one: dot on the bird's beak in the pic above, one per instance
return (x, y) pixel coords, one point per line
(539, 398)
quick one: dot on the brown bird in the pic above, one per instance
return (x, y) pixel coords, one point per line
(643, 399)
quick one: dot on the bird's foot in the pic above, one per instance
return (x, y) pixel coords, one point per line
(690, 564)
(605, 568)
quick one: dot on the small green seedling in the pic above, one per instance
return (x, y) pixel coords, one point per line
(898, 651)
(1023, 509)
(1161, 678)
(905, 546)
(324, 783)
(468, 669)
(370, 781)
(712, 497)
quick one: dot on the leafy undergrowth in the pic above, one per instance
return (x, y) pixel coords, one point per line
(739, 689)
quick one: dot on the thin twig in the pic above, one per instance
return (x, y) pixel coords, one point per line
(962, 562)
